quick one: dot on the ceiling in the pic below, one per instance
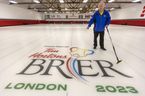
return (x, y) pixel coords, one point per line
(68, 6)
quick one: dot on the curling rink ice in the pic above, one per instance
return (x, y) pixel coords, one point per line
(59, 60)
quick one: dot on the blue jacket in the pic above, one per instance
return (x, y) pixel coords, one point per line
(100, 21)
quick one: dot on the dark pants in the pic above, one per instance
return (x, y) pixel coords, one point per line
(101, 39)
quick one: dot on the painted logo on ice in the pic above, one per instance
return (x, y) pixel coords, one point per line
(77, 53)
(78, 63)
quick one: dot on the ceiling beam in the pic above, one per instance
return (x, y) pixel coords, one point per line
(74, 2)
(63, 8)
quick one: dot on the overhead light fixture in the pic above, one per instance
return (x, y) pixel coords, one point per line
(112, 9)
(61, 1)
(81, 8)
(96, 9)
(36, 1)
(35, 9)
(50, 9)
(66, 9)
(13, 1)
(136, 0)
(111, 0)
(85, 1)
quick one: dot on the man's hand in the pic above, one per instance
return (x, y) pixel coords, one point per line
(107, 26)
(88, 27)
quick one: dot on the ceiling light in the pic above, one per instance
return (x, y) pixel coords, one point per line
(61, 1)
(111, 0)
(85, 1)
(12, 1)
(112, 8)
(36, 1)
(35, 9)
(50, 9)
(96, 9)
(136, 0)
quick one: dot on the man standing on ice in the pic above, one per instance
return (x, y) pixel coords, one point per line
(100, 19)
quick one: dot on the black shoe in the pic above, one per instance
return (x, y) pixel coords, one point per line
(94, 47)
(103, 48)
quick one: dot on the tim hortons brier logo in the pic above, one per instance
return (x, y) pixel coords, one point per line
(73, 63)
(70, 63)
